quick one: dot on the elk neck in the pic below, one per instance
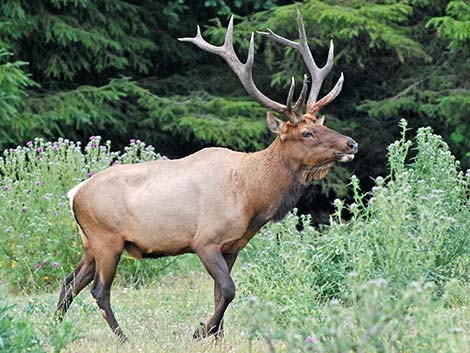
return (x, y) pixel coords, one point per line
(276, 183)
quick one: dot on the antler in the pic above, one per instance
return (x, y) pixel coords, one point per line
(244, 73)
(317, 74)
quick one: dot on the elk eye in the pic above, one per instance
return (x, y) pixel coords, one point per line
(307, 134)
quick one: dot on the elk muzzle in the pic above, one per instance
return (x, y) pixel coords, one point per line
(350, 150)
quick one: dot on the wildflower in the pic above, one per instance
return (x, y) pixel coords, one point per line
(310, 339)
(38, 266)
(61, 204)
(55, 264)
(90, 175)
(66, 141)
(94, 145)
(24, 209)
(29, 143)
(103, 148)
(43, 262)
(21, 235)
(92, 138)
(132, 141)
(38, 183)
(55, 148)
(6, 188)
(40, 149)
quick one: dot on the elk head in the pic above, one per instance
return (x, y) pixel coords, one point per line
(303, 138)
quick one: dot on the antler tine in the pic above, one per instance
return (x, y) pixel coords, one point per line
(317, 74)
(243, 71)
(301, 100)
(291, 94)
(315, 107)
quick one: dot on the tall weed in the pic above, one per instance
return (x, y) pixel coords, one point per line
(40, 242)
(414, 227)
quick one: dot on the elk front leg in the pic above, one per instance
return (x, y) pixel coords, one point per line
(229, 260)
(218, 267)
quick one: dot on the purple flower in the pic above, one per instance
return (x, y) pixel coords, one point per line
(55, 148)
(94, 145)
(66, 141)
(38, 266)
(61, 204)
(29, 143)
(103, 148)
(6, 188)
(40, 149)
(24, 209)
(21, 235)
(43, 262)
(55, 264)
(39, 158)
(92, 138)
(310, 339)
(132, 141)
(38, 183)
(90, 175)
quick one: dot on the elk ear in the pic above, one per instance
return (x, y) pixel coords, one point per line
(320, 120)
(275, 124)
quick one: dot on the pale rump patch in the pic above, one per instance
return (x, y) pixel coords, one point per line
(73, 191)
(71, 194)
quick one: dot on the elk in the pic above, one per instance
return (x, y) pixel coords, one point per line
(212, 202)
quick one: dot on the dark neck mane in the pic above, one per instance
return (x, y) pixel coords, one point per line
(290, 179)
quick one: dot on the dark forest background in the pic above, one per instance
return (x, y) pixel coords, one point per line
(76, 68)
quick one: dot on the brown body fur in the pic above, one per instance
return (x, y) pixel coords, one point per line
(210, 203)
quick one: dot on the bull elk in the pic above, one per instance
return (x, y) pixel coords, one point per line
(212, 202)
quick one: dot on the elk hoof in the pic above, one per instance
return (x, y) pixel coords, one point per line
(201, 332)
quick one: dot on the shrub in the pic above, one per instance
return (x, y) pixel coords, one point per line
(414, 227)
(370, 318)
(40, 242)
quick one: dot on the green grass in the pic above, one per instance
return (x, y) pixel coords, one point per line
(163, 316)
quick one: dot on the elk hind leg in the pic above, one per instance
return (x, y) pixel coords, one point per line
(74, 283)
(229, 260)
(101, 290)
(218, 268)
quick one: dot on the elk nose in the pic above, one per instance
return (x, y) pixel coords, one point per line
(353, 146)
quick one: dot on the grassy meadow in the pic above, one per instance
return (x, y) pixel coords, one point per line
(394, 277)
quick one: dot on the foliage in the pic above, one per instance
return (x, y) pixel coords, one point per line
(456, 26)
(13, 82)
(17, 333)
(370, 318)
(413, 228)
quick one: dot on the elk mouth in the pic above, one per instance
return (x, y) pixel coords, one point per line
(344, 157)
